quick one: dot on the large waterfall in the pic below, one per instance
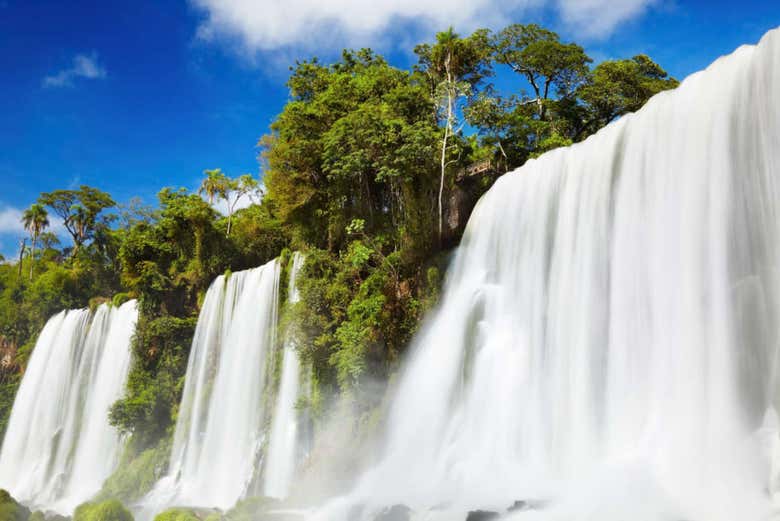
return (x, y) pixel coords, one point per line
(606, 348)
(219, 431)
(59, 446)
(284, 438)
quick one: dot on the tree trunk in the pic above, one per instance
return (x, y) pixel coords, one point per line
(32, 256)
(198, 232)
(447, 129)
(21, 255)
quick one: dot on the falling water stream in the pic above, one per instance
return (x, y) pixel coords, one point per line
(59, 446)
(606, 346)
(283, 446)
(220, 428)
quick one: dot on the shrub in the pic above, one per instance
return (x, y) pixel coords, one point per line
(176, 514)
(109, 510)
(136, 476)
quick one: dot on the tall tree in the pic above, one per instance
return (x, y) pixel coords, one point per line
(532, 122)
(243, 186)
(549, 66)
(357, 141)
(215, 184)
(79, 211)
(617, 87)
(36, 220)
(565, 101)
(454, 66)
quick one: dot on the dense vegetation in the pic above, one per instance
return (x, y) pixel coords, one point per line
(370, 169)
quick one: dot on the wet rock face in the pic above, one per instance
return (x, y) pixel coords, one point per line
(395, 513)
(481, 515)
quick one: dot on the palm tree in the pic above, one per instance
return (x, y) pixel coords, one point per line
(36, 220)
(215, 184)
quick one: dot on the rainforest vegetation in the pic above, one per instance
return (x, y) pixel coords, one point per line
(370, 169)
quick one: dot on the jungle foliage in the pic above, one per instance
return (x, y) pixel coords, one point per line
(367, 170)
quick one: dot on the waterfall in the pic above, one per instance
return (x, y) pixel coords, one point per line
(284, 437)
(59, 446)
(606, 346)
(219, 431)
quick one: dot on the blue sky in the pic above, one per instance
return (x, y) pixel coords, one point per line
(133, 96)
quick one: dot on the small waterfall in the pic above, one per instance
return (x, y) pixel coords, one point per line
(219, 431)
(97, 452)
(59, 446)
(606, 346)
(283, 445)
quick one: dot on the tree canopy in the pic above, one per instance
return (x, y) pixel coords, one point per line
(369, 169)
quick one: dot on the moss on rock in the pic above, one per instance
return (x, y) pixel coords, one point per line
(119, 299)
(10, 509)
(177, 514)
(109, 510)
(135, 476)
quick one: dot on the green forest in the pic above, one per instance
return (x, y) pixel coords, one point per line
(370, 169)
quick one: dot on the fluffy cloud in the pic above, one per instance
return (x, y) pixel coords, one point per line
(327, 24)
(594, 18)
(84, 66)
(245, 201)
(12, 231)
(11, 221)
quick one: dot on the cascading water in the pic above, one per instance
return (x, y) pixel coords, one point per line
(283, 444)
(59, 446)
(219, 431)
(97, 452)
(607, 340)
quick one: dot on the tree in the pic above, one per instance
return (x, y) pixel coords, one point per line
(135, 211)
(48, 240)
(36, 220)
(79, 211)
(548, 65)
(356, 141)
(245, 185)
(617, 87)
(567, 101)
(454, 66)
(215, 184)
(554, 71)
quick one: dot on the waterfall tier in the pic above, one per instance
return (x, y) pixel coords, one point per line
(283, 445)
(607, 340)
(59, 446)
(220, 429)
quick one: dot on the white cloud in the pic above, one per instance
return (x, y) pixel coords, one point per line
(245, 201)
(84, 66)
(273, 24)
(594, 18)
(12, 231)
(265, 25)
(11, 221)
